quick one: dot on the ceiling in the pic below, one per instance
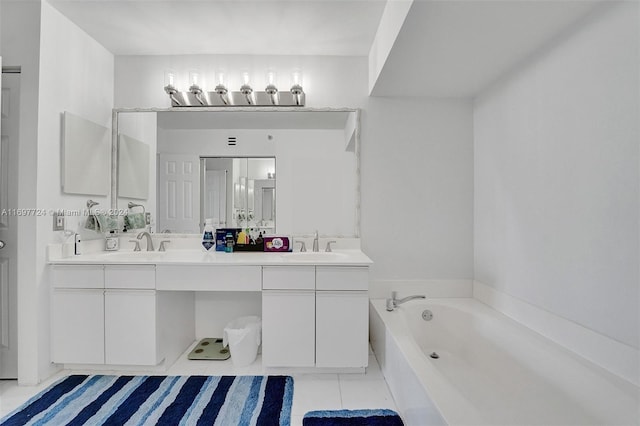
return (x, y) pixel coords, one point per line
(247, 27)
(445, 48)
(458, 48)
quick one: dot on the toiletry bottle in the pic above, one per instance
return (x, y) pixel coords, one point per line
(208, 240)
(259, 239)
(242, 237)
(229, 243)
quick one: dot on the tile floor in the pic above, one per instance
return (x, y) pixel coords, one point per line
(311, 391)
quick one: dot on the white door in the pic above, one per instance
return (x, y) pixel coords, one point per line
(8, 226)
(179, 193)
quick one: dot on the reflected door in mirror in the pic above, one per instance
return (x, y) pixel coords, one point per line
(179, 193)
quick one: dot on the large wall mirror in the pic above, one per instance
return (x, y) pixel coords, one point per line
(289, 172)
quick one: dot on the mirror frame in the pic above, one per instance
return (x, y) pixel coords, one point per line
(114, 141)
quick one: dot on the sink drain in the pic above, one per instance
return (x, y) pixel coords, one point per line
(434, 355)
(427, 315)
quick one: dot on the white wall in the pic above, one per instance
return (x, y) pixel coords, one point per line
(79, 79)
(417, 189)
(556, 178)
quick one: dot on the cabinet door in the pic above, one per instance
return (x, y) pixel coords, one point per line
(77, 323)
(130, 327)
(342, 329)
(288, 328)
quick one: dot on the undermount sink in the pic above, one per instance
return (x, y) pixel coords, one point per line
(309, 256)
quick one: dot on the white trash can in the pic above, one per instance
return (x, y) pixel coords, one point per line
(243, 337)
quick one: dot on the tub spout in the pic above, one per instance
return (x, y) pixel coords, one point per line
(393, 302)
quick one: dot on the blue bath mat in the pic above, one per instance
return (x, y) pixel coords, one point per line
(352, 418)
(159, 400)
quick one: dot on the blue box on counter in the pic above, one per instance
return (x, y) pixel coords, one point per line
(221, 237)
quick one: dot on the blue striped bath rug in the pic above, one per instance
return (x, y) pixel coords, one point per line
(379, 417)
(159, 400)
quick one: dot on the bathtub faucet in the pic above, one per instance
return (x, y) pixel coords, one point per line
(393, 302)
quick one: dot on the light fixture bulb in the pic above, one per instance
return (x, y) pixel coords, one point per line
(195, 88)
(169, 78)
(221, 79)
(296, 77)
(271, 78)
(194, 77)
(170, 89)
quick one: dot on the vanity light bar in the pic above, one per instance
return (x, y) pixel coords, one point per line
(195, 98)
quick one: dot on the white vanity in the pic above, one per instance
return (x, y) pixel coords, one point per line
(142, 308)
(137, 308)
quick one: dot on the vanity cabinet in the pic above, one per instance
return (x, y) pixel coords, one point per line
(104, 315)
(77, 318)
(143, 314)
(288, 316)
(342, 319)
(130, 315)
(315, 316)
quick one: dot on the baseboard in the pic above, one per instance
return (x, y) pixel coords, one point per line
(615, 357)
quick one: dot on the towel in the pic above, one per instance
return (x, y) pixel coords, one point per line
(100, 222)
(134, 221)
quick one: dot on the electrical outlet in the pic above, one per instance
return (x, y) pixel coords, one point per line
(147, 218)
(58, 222)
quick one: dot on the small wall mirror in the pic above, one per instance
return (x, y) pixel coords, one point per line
(86, 156)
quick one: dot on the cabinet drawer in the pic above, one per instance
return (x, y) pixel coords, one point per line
(130, 276)
(289, 277)
(208, 278)
(342, 278)
(77, 276)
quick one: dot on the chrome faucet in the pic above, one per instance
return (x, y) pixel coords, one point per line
(315, 242)
(149, 240)
(393, 302)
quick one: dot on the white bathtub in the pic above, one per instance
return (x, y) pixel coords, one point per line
(491, 370)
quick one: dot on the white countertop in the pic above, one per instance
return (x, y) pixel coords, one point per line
(350, 257)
